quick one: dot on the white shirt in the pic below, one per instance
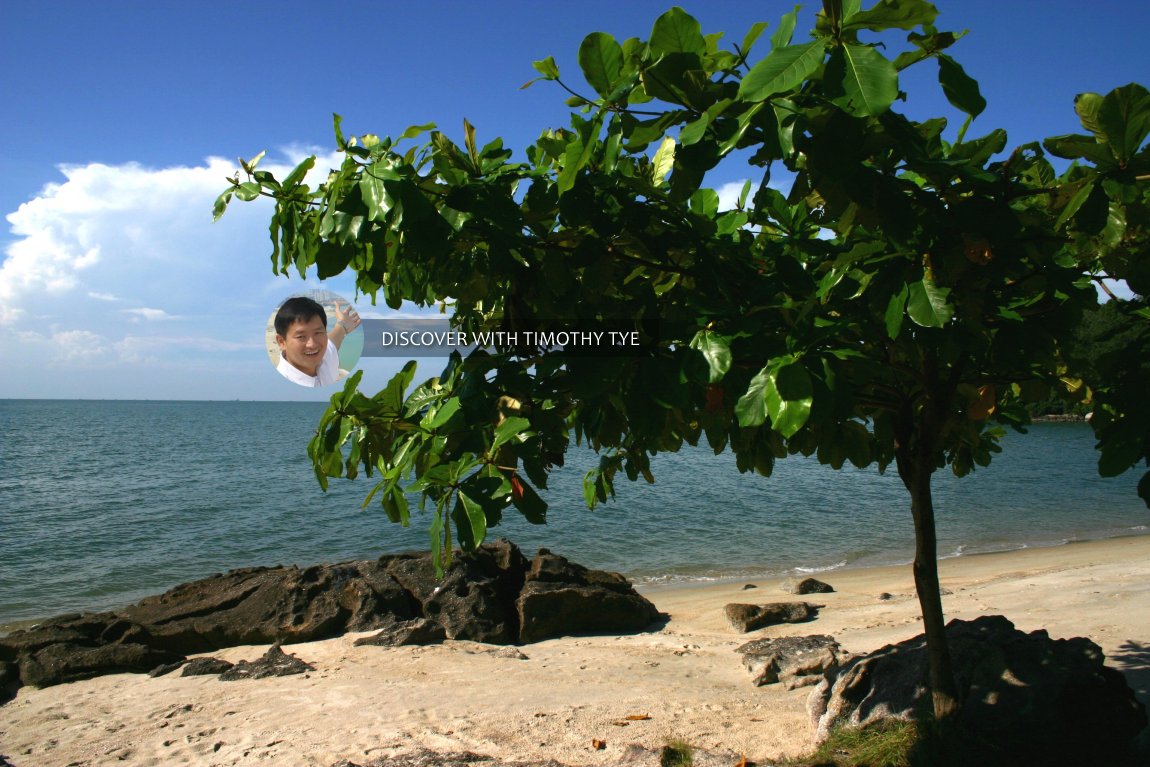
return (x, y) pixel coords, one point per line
(327, 374)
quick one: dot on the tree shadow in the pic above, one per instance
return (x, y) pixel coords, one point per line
(1133, 660)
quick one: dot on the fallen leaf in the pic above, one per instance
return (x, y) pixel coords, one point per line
(742, 762)
(620, 724)
(637, 718)
(598, 745)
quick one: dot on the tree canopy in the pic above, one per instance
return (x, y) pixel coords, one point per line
(877, 295)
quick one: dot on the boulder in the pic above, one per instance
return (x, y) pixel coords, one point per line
(561, 598)
(744, 618)
(806, 586)
(275, 662)
(1029, 698)
(475, 599)
(792, 661)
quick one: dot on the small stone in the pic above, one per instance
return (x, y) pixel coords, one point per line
(806, 586)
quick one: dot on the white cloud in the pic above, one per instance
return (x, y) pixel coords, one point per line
(111, 250)
(729, 194)
(149, 314)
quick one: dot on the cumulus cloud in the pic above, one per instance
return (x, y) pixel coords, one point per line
(108, 251)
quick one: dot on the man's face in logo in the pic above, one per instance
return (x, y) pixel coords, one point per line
(304, 344)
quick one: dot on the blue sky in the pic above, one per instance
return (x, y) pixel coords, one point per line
(122, 119)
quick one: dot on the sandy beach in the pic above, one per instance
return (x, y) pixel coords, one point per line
(562, 698)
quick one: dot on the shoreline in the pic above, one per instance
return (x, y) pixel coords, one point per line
(648, 585)
(366, 702)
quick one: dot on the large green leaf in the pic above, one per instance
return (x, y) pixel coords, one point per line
(960, 88)
(676, 31)
(470, 521)
(927, 304)
(601, 59)
(751, 409)
(716, 350)
(789, 395)
(892, 14)
(861, 80)
(1125, 118)
(784, 69)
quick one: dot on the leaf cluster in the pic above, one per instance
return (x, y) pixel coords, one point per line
(902, 302)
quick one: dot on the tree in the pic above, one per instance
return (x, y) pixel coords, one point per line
(901, 304)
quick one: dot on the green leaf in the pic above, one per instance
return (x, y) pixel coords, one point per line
(789, 395)
(470, 521)
(664, 160)
(960, 88)
(676, 31)
(298, 173)
(415, 130)
(1124, 116)
(751, 409)
(443, 414)
(716, 350)
(786, 31)
(892, 14)
(247, 191)
(895, 311)
(547, 67)
(861, 80)
(927, 304)
(783, 70)
(530, 505)
(752, 36)
(601, 59)
(1076, 202)
(509, 429)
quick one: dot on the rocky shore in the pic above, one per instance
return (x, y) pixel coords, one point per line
(1072, 659)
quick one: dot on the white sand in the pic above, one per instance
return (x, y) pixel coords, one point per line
(363, 702)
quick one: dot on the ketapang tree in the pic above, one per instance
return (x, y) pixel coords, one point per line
(899, 305)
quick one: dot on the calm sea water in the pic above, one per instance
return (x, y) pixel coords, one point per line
(105, 502)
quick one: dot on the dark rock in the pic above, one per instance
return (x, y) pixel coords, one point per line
(206, 667)
(744, 618)
(793, 661)
(167, 668)
(264, 605)
(417, 631)
(68, 662)
(482, 597)
(9, 681)
(749, 586)
(885, 596)
(475, 599)
(561, 598)
(275, 662)
(1031, 699)
(806, 586)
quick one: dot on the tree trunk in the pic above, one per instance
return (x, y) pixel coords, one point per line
(944, 691)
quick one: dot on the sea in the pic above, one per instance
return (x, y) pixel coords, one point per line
(104, 502)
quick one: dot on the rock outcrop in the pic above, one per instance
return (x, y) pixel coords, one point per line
(494, 595)
(1029, 698)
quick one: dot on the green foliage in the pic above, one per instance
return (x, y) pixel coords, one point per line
(888, 743)
(677, 753)
(779, 327)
